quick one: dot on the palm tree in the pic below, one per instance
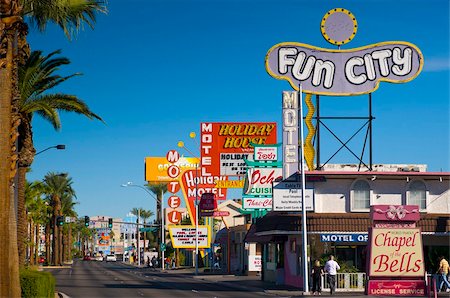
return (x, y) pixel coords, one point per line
(57, 186)
(67, 209)
(69, 15)
(9, 267)
(83, 235)
(36, 212)
(36, 78)
(146, 214)
(159, 189)
(137, 212)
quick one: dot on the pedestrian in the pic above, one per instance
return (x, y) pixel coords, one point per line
(331, 267)
(148, 261)
(216, 261)
(317, 273)
(154, 262)
(443, 272)
(167, 262)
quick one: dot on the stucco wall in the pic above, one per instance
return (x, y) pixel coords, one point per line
(334, 195)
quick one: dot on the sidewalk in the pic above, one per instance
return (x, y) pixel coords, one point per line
(254, 283)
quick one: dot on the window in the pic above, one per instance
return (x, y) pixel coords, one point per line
(271, 252)
(360, 196)
(417, 194)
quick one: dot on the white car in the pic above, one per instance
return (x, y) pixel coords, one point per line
(111, 258)
(99, 258)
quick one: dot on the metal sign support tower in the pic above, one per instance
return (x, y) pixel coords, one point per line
(344, 144)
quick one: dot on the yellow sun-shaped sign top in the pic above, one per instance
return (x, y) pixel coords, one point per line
(338, 26)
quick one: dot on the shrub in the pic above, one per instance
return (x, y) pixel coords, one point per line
(37, 283)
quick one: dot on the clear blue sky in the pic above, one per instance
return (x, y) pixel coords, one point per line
(154, 70)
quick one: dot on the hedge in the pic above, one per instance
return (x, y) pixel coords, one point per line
(37, 283)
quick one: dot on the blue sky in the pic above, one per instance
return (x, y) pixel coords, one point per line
(154, 70)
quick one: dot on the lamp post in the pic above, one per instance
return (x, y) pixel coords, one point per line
(130, 184)
(138, 238)
(59, 147)
(181, 145)
(304, 228)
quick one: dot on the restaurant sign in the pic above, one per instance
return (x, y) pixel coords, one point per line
(287, 196)
(258, 181)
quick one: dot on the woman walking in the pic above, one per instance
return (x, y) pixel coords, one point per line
(317, 273)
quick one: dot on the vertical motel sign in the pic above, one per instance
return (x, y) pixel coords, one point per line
(173, 171)
(290, 134)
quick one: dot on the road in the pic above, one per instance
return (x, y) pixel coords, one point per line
(113, 279)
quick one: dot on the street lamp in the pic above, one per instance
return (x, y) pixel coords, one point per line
(181, 145)
(59, 147)
(130, 184)
(304, 228)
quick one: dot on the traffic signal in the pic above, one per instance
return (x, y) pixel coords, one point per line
(60, 220)
(110, 223)
(86, 221)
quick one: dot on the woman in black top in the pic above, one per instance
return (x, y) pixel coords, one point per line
(317, 273)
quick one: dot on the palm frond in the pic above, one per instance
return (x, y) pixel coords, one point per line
(36, 78)
(69, 15)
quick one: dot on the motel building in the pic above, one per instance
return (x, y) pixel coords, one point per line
(339, 218)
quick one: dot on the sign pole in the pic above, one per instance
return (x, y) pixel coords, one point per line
(196, 219)
(138, 239)
(163, 228)
(302, 171)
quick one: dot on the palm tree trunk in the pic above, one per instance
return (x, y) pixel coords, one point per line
(9, 270)
(14, 257)
(61, 248)
(48, 256)
(21, 215)
(25, 159)
(56, 231)
(63, 245)
(145, 236)
(159, 223)
(55, 241)
(32, 243)
(37, 242)
(69, 246)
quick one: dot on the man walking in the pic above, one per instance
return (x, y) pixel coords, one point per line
(443, 271)
(331, 267)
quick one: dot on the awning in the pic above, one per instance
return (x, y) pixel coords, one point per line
(251, 237)
(281, 223)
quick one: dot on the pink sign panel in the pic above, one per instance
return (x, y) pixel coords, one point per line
(396, 253)
(207, 202)
(396, 288)
(395, 213)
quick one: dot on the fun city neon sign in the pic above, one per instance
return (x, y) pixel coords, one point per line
(343, 72)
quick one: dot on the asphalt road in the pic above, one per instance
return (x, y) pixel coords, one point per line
(113, 279)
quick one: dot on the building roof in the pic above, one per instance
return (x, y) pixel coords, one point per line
(276, 223)
(376, 174)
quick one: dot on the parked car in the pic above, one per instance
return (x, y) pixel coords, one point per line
(86, 258)
(99, 258)
(111, 258)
